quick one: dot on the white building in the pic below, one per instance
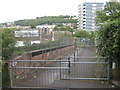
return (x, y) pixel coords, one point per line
(29, 35)
(41, 34)
(87, 14)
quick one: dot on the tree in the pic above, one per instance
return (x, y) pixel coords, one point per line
(56, 28)
(108, 40)
(111, 12)
(8, 42)
(108, 36)
(8, 47)
(92, 36)
(81, 33)
(67, 28)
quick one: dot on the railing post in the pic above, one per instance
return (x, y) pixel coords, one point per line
(60, 69)
(11, 82)
(74, 58)
(77, 54)
(69, 64)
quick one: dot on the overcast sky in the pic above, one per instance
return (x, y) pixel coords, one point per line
(29, 9)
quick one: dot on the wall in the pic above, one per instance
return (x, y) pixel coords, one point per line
(45, 54)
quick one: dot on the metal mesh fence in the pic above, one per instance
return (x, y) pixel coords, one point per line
(62, 41)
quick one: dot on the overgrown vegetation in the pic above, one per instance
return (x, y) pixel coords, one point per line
(81, 33)
(63, 28)
(8, 42)
(5, 76)
(108, 37)
(8, 47)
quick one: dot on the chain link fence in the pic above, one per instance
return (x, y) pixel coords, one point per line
(28, 47)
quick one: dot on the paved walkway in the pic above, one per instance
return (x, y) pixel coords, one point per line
(84, 71)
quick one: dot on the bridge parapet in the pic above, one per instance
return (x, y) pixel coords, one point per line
(54, 53)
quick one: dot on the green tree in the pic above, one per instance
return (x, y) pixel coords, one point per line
(67, 28)
(8, 42)
(111, 12)
(108, 40)
(8, 47)
(108, 36)
(81, 33)
(56, 28)
(92, 36)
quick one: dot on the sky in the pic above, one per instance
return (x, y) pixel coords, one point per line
(12, 10)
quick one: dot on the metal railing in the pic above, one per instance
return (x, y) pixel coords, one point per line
(80, 64)
(87, 67)
(43, 74)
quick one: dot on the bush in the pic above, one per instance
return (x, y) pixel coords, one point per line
(108, 40)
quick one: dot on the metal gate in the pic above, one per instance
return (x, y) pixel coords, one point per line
(85, 64)
(37, 73)
(54, 73)
(87, 67)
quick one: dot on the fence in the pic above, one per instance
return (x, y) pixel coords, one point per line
(80, 64)
(50, 73)
(49, 44)
(33, 77)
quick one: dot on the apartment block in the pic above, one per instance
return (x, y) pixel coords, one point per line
(87, 14)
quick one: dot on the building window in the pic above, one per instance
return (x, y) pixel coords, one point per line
(83, 14)
(83, 24)
(83, 27)
(94, 4)
(83, 11)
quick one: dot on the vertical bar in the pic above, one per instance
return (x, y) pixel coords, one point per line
(74, 58)
(69, 64)
(41, 79)
(77, 54)
(11, 76)
(45, 75)
(60, 67)
(42, 55)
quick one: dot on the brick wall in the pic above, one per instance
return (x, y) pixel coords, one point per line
(46, 54)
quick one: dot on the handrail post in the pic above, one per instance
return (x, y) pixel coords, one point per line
(77, 54)
(74, 58)
(60, 67)
(69, 64)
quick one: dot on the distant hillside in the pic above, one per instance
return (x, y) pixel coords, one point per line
(47, 20)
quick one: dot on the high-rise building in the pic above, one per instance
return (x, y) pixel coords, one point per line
(87, 14)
